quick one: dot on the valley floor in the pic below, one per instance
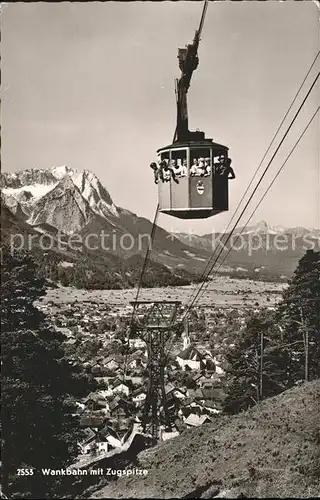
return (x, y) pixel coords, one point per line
(222, 291)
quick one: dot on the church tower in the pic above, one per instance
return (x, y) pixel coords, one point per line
(185, 336)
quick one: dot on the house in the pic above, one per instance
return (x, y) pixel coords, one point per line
(165, 435)
(121, 388)
(134, 380)
(105, 393)
(97, 443)
(219, 370)
(92, 421)
(170, 404)
(117, 410)
(110, 436)
(132, 364)
(123, 425)
(210, 365)
(120, 408)
(102, 394)
(208, 382)
(136, 360)
(169, 388)
(179, 394)
(111, 364)
(185, 411)
(105, 382)
(102, 445)
(140, 357)
(81, 406)
(139, 395)
(191, 357)
(95, 401)
(195, 394)
(195, 420)
(137, 342)
(211, 407)
(87, 444)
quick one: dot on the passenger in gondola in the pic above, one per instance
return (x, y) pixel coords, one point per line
(229, 170)
(166, 171)
(184, 169)
(201, 168)
(194, 167)
(155, 172)
(224, 168)
(173, 169)
(160, 170)
(207, 165)
(178, 168)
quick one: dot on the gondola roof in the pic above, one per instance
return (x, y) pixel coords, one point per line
(187, 144)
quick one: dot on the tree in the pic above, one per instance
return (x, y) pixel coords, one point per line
(94, 449)
(299, 314)
(256, 365)
(276, 351)
(64, 276)
(40, 427)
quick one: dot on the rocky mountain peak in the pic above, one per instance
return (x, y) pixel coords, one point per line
(63, 208)
(97, 196)
(62, 171)
(37, 193)
(26, 178)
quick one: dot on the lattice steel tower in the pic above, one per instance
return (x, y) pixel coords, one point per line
(155, 322)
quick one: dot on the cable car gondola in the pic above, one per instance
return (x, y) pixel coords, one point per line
(192, 172)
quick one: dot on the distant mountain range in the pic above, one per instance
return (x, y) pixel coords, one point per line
(261, 228)
(62, 204)
(260, 249)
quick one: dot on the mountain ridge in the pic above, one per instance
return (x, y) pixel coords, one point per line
(75, 204)
(261, 227)
(63, 200)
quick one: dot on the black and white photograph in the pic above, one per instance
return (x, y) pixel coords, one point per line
(160, 249)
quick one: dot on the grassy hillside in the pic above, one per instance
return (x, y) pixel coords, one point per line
(272, 450)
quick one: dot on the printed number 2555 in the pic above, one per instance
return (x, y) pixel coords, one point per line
(25, 472)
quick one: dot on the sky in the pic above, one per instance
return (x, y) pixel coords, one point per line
(91, 85)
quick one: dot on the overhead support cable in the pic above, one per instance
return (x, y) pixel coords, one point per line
(267, 190)
(144, 267)
(256, 188)
(204, 274)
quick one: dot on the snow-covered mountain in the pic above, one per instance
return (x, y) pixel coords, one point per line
(263, 228)
(96, 195)
(62, 207)
(63, 197)
(260, 228)
(64, 200)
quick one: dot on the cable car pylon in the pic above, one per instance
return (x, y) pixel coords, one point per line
(155, 323)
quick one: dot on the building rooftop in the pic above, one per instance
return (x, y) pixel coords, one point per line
(196, 420)
(192, 353)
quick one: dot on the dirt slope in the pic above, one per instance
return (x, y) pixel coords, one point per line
(272, 450)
